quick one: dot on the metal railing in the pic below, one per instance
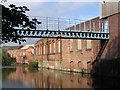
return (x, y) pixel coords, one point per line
(68, 28)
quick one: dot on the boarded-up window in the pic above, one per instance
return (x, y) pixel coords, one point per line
(50, 48)
(37, 50)
(54, 47)
(89, 46)
(47, 48)
(41, 50)
(71, 44)
(44, 49)
(79, 44)
(59, 46)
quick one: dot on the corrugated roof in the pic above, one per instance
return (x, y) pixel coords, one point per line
(27, 46)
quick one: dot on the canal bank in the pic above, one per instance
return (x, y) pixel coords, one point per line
(58, 66)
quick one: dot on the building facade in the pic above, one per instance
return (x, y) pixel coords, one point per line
(23, 54)
(47, 51)
(78, 54)
(70, 54)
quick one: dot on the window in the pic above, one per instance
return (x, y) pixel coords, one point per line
(59, 46)
(41, 50)
(44, 49)
(106, 26)
(79, 44)
(50, 48)
(38, 50)
(54, 47)
(32, 51)
(71, 44)
(89, 44)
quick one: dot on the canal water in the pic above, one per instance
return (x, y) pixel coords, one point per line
(22, 77)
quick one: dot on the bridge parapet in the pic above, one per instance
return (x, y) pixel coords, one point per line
(64, 34)
(67, 29)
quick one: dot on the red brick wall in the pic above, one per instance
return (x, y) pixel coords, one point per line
(49, 55)
(112, 50)
(78, 59)
(118, 34)
(20, 53)
(75, 59)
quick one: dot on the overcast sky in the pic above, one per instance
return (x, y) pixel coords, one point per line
(74, 10)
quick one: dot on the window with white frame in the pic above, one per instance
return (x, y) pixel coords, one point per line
(59, 46)
(33, 51)
(79, 44)
(89, 44)
(106, 26)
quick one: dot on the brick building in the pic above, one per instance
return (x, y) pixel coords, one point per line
(23, 54)
(110, 12)
(78, 54)
(47, 51)
(69, 54)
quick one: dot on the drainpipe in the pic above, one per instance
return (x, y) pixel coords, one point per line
(47, 49)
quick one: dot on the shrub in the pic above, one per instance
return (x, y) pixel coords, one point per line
(33, 64)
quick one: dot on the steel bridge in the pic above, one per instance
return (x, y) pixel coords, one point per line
(66, 29)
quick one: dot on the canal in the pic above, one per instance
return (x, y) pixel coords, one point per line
(22, 77)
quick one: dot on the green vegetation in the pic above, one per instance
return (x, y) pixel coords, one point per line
(33, 64)
(6, 59)
(15, 16)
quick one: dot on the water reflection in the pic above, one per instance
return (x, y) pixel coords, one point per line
(22, 77)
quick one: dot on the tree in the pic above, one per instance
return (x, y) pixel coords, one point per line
(14, 17)
(6, 59)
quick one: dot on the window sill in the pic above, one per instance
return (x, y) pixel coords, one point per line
(79, 50)
(71, 51)
(88, 49)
